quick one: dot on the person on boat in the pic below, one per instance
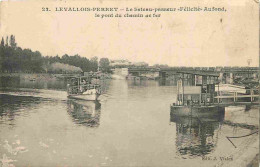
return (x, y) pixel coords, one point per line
(84, 82)
(69, 90)
(81, 88)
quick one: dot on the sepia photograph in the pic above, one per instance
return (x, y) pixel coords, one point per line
(129, 83)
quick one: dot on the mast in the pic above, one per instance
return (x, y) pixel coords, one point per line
(79, 83)
(98, 66)
(182, 89)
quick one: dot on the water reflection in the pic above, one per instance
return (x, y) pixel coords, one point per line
(140, 83)
(11, 106)
(10, 103)
(167, 82)
(84, 112)
(196, 136)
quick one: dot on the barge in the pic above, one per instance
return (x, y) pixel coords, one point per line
(195, 96)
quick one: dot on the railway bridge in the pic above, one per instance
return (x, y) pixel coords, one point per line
(226, 74)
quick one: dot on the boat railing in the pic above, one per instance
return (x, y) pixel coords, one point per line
(239, 91)
(209, 98)
(77, 89)
(91, 86)
(237, 94)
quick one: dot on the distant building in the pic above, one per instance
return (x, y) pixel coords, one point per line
(126, 63)
(114, 63)
(140, 64)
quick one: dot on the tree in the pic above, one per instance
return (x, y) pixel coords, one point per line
(2, 42)
(16, 59)
(6, 41)
(94, 63)
(2, 54)
(63, 68)
(104, 64)
(12, 42)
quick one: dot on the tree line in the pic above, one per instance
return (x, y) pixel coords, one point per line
(15, 59)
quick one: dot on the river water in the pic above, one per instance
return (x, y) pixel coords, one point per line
(129, 126)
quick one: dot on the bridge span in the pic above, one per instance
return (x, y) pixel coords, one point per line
(226, 74)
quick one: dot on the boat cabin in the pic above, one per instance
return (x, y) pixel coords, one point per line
(196, 88)
(79, 85)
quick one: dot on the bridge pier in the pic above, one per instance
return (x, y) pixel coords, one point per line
(231, 78)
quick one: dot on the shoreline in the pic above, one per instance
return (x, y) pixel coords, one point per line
(33, 74)
(254, 162)
(246, 156)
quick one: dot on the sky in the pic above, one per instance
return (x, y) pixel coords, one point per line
(176, 38)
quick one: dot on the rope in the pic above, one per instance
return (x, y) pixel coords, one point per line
(243, 135)
(239, 137)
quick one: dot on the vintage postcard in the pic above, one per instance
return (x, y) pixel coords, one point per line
(129, 83)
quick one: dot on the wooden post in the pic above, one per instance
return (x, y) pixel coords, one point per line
(251, 93)
(200, 99)
(79, 84)
(195, 78)
(178, 93)
(183, 91)
(218, 93)
(206, 96)
(234, 97)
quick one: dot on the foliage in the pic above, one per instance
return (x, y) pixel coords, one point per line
(16, 59)
(63, 68)
(104, 64)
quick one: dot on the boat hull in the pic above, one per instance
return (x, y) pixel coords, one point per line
(197, 111)
(92, 97)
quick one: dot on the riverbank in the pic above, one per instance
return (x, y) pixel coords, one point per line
(246, 149)
(254, 162)
(246, 156)
(35, 75)
(44, 75)
(32, 80)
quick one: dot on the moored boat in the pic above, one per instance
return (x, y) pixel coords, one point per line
(196, 99)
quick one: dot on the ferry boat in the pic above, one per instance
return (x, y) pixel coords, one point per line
(82, 88)
(195, 95)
